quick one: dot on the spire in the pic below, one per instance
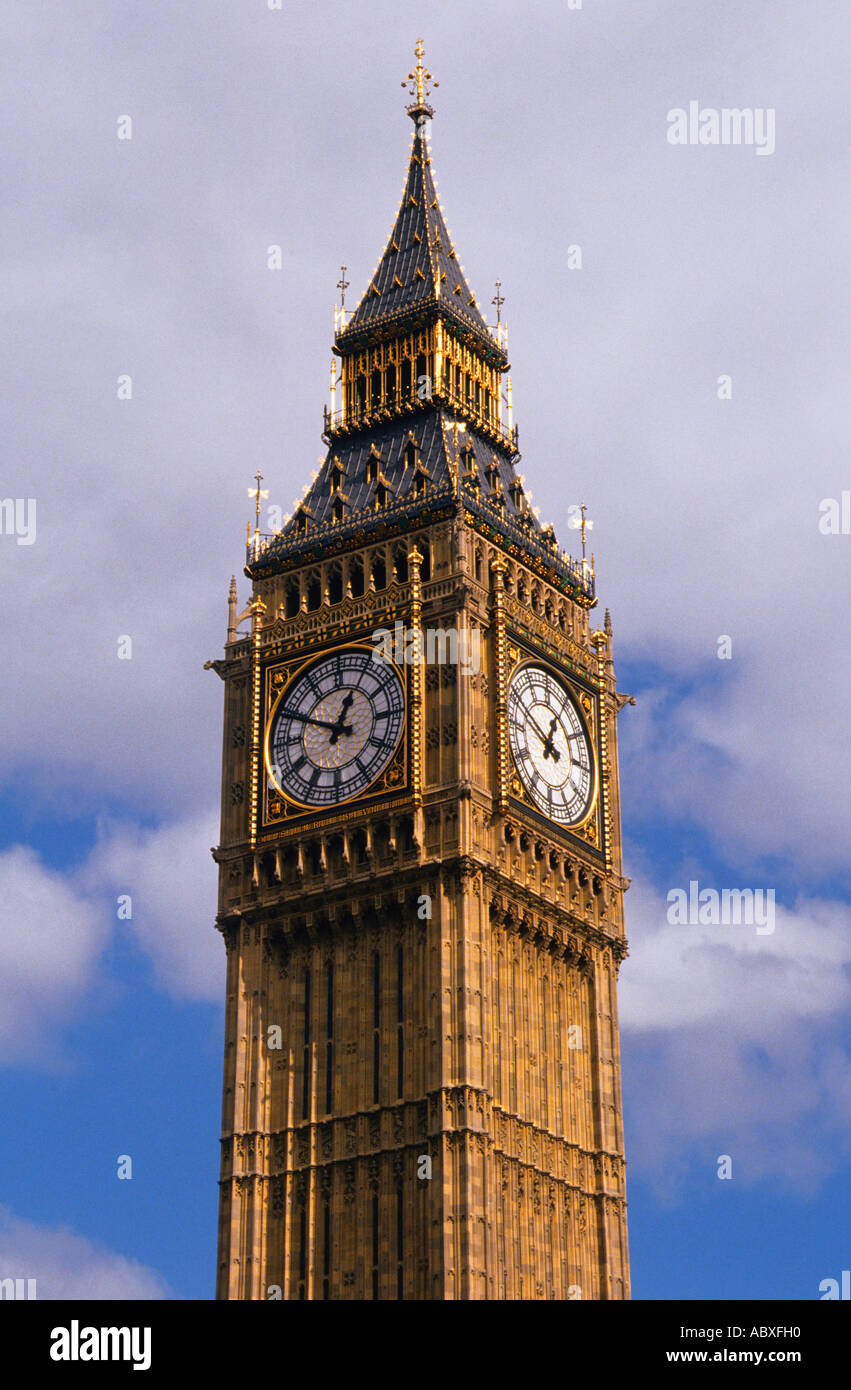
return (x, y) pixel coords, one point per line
(419, 269)
(420, 422)
(232, 623)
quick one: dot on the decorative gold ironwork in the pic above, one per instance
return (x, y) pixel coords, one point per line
(499, 568)
(419, 78)
(257, 608)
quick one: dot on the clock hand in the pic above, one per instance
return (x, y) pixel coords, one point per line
(536, 726)
(339, 727)
(546, 739)
(549, 747)
(320, 723)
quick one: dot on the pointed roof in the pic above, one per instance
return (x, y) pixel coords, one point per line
(419, 268)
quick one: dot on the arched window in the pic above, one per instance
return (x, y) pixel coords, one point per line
(400, 559)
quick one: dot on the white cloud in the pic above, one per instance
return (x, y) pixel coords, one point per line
(754, 985)
(739, 1040)
(170, 876)
(67, 1266)
(50, 939)
(54, 928)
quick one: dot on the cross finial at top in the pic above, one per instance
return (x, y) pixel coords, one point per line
(498, 300)
(419, 78)
(581, 523)
(257, 492)
(342, 286)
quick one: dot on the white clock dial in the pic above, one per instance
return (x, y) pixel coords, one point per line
(335, 728)
(550, 746)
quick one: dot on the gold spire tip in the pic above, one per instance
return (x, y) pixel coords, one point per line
(419, 77)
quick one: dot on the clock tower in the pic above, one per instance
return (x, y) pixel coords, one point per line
(421, 892)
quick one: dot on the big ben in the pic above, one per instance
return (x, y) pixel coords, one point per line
(420, 877)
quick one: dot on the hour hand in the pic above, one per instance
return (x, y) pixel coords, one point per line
(306, 719)
(550, 750)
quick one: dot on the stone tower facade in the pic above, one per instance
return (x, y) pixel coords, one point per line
(420, 861)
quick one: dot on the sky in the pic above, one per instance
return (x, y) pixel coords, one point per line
(688, 382)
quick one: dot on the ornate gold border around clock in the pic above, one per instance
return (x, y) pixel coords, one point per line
(278, 807)
(590, 827)
(499, 568)
(329, 821)
(605, 772)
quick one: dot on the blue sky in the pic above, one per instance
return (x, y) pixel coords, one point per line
(254, 127)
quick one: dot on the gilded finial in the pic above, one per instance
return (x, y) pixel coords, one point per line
(581, 523)
(498, 300)
(342, 286)
(419, 78)
(257, 492)
(232, 623)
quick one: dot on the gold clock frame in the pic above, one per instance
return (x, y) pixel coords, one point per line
(278, 805)
(589, 827)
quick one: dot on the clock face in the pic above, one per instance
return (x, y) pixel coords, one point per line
(550, 746)
(335, 728)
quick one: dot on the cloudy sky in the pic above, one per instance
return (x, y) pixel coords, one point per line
(147, 257)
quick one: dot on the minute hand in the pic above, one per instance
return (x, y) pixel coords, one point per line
(320, 723)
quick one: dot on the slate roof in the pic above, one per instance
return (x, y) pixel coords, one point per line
(419, 269)
(431, 434)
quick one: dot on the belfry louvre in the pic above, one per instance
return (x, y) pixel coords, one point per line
(421, 889)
